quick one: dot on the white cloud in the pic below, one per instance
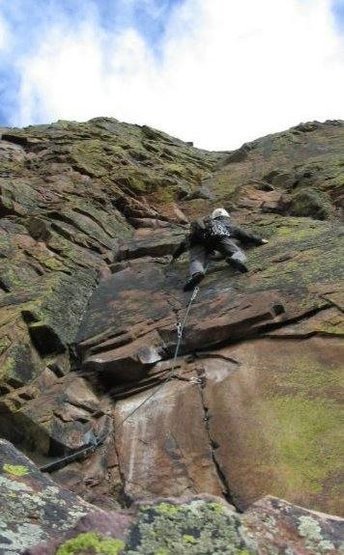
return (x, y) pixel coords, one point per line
(5, 36)
(229, 71)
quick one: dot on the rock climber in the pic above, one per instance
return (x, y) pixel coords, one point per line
(208, 235)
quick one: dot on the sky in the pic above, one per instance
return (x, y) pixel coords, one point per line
(215, 72)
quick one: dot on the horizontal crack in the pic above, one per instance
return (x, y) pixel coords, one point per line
(207, 354)
(332, 302)
(263, 330)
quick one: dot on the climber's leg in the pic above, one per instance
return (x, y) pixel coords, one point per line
(198, 255)
(235, 257)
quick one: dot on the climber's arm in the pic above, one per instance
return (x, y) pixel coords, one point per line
(182, 247)
(247, 237)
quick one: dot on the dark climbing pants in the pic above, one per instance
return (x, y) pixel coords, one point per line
(230, 251)
(199, 254)
(198, 259)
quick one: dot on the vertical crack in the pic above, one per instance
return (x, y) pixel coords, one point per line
(202, 381)
(122, 497)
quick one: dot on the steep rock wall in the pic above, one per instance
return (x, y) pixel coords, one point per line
(89, 306)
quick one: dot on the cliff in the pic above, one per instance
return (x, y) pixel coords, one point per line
(89, 214)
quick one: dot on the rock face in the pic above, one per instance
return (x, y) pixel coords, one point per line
(34, 508)
(204, 526)
(89, 307)
(43, 519)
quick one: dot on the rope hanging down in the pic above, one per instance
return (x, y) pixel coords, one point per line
(180, 330)
(59, 463)
(55, 465)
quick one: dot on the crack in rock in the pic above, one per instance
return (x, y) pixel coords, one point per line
(212, 444)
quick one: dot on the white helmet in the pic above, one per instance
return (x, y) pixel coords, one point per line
(219, 212)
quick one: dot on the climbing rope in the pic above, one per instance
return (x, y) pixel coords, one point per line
(170, 375)
(59, 463)
(55, 465)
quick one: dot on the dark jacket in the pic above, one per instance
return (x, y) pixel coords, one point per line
(201, 235)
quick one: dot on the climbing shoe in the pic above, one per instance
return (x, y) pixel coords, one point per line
(193, 281)
(238, 265)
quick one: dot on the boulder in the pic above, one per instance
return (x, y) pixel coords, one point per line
(55, 419)
(33, 507)
(203, 525)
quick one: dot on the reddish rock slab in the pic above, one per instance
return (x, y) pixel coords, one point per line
(154, 243)
(267, 409)
(163, 447)
(276, 419)
(128, 362)
(328, 322)
(97, 478)
(146, 296)
(129, 297)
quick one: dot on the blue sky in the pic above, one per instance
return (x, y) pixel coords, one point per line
(27, 20)
(218, 72)
(338, 13)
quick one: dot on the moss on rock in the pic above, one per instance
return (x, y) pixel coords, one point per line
(312, 203)
(16, 469)
(92, 544)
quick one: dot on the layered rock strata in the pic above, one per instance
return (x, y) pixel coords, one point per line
(89, 214)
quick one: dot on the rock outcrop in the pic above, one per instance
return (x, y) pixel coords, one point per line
(89, 214)
(43, 519)
(34, 507)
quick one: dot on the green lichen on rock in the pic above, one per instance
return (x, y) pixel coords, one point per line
(196, 528)
(189, 539)
(308, 428)
(167, 509)
(312, 203)
(20, 363)
(16, 469)
(310, 529)
(92, 544)
(297, 445)
(299, 254)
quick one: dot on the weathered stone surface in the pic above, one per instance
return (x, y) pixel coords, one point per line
(280, 527)
(260, 409)
(97, 479)
(20, 362)
(96, 532)
(275, 416)
(163, 456)
(33, 507)
(154, 244)
(88, 216)
(203, 525)
(230, 307)
(266, 302)
(290, 160)
(64, 417)
(128, 362)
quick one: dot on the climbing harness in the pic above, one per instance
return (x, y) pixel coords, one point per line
(92, 446)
